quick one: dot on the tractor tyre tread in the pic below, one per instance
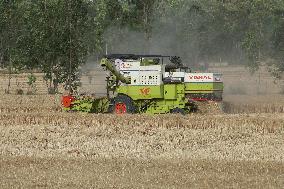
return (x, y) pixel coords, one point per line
(130, 107)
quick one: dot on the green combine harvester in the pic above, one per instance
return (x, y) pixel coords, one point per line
(148, 84)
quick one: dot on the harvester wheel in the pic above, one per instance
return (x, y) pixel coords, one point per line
(123, 104)
(178, 111)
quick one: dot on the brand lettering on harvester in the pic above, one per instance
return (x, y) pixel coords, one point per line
(145, 91)
(199, 77)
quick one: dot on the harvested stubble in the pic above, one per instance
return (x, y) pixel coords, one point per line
(235, 108)
(260, 122)
(229, 137)
(29, 103)
(30, 100)
(72, 150)
(21, 172)
(209, 107)
(235, 104)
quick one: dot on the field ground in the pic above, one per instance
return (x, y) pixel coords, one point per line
(43, 147)
(23, 172)
(269, 103)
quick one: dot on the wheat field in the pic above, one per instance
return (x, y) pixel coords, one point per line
(43, 147)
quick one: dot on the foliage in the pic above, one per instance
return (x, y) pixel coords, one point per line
(58, 36)
(31, 79)
(31, 83)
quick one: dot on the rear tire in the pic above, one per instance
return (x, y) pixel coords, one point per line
(178, 111)
(122, 104)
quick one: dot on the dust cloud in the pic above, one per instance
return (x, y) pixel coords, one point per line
(170, 37)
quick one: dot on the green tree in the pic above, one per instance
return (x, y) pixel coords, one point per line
(53, 39)
(10, 25)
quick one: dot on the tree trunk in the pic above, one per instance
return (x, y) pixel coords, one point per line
(10, 75)
(70, 50)
(1, 61)
(146, 28)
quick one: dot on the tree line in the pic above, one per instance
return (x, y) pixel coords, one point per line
(58, 36)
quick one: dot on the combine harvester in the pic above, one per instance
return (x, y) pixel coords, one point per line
(147, 84)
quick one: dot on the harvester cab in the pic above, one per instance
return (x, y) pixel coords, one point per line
(147, 84)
